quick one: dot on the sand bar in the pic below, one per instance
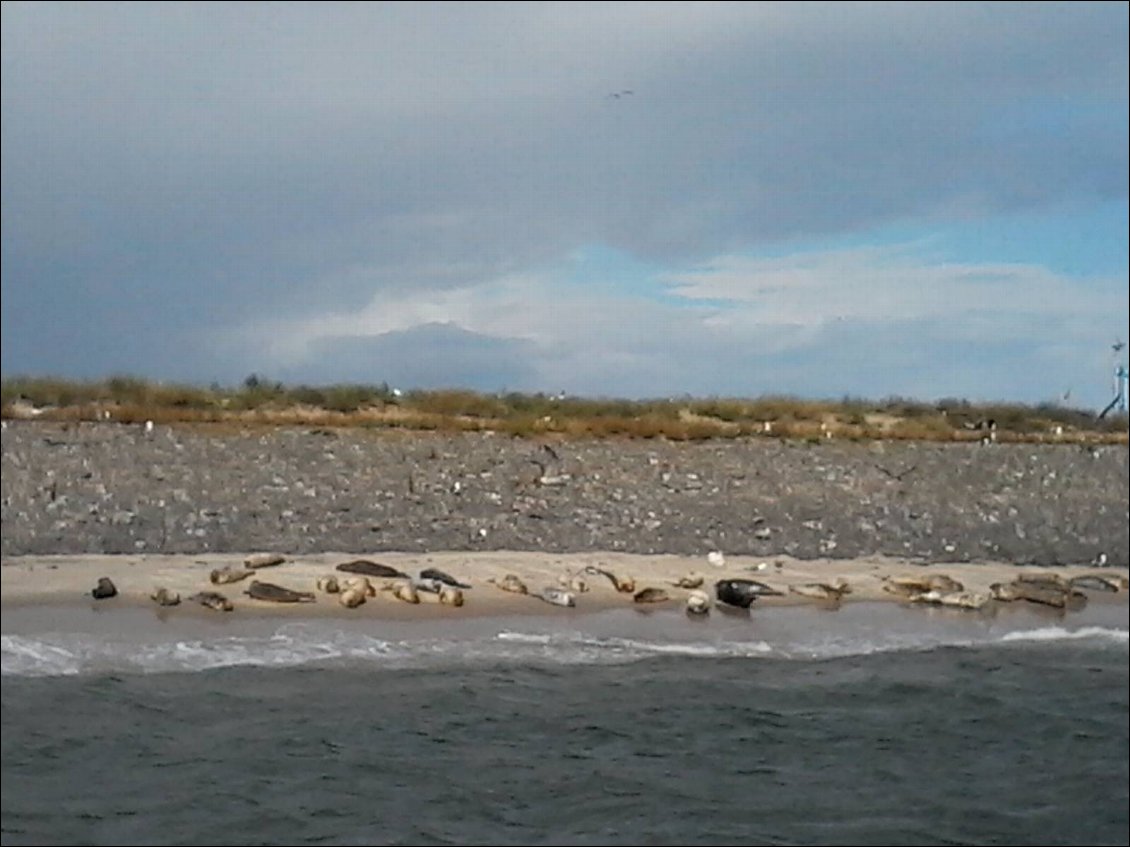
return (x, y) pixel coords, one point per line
(41, 580)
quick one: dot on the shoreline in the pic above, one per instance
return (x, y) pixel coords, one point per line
(37, 581)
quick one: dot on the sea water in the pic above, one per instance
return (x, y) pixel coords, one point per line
(874, 724)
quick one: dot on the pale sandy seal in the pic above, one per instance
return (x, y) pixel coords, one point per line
(165, 597)
(213, 600)
(573, 582)
(359, 583)
(557, 596)
(351, 598)
(446, 579)
(832, 592)
(698, 602)
(276, 593)
(328, 584)
(956, 599)
(692, 580)
(741, 592)
(908, 586)
(368, 568)
(510, 583)
(1045, 580)
(105, 588)
(406, 591)
(224, 575)
(264, 560)
(449, 595)
(650, 595)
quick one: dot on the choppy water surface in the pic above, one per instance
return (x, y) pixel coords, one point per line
(534, 732)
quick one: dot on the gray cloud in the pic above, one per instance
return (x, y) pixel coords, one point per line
(172, 170)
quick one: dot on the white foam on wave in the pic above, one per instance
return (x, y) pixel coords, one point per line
(1059, 633)
(298, 644)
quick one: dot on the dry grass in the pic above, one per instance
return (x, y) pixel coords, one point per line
(262, 403)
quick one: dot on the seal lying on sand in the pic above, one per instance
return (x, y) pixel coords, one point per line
(698, 603)
(105, 588)
(276, 593)
(623, 584)
(956, 599)
(222, 576)
(328, 584)
(650, 595)
(165, 597)
(213, 600)
(351, 598)
(1043, 593)
(440, 576)
(742, 592)
(1096, 582)
(449, 595)
(908, 586)
(364, 566)
(692, 580)
(510, 583)
(264, 560)
(832, 592)
(557, 597)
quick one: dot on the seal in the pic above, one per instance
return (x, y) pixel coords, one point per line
(955, 599)
(430, 586)
(1042, 593)
(908, 586)
(1095, 582)
(832, 592)
(367, 568)
(557, 597)
(105, 588)
(1044, 580)
(276, 593)
(698, 602)
(437, 574)
(224, 575)
(213, 600)
(165, 597)
(510, 583)
(328, 584)
(692, 580)
(406, 591)
(263, 560)
(574, 582)
(625, 584)
(741, 592)
(351, 598)
(449, 595)
(650, 595)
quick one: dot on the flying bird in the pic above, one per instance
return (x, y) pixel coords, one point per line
(616, 95)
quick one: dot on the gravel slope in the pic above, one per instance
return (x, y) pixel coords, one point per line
(110, 488)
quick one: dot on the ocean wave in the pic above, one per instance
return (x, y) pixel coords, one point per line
(1059, 633)
(293, 645)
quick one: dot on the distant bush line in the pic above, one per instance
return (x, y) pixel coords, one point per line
(128, 399)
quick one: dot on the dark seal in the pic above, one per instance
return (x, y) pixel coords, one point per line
(105, 588)
(276, 593)
(364, 566)
(446, 579)
(741, 592)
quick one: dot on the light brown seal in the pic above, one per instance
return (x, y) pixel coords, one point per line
(328, 584)
(692, 580)
(955, 599)
(623, 584)
(510, 583)
(351, 598)
(165, 597)
(224, 575)
(264, 560)
(449, 595)
(698, 602)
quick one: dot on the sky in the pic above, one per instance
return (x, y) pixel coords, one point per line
(924, 200)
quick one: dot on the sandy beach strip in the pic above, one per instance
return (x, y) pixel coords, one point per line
(40, 580)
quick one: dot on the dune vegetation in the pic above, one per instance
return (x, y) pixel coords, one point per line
(258, 401)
